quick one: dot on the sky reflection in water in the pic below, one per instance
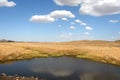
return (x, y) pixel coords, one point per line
(63, 68)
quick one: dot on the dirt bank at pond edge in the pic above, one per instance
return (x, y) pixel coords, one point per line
(3, 76)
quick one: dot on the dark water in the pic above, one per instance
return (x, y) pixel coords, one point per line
(62, 68)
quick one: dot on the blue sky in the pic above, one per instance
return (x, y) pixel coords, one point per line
(59, 20)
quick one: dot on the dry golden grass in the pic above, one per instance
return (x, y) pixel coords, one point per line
(103, 51)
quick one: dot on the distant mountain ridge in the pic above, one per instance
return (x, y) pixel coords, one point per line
(117, 41)
(4, 40)
(77, 41)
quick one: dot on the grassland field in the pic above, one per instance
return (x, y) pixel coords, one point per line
(102, 51)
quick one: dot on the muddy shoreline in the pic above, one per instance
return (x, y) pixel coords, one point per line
(4, 76)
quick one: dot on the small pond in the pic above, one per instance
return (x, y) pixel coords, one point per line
(62, 68)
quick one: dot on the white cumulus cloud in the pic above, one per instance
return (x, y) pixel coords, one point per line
(61, 14)
(87, 33)
(53, 16)
(80, 22)
(64, 19)
(88, 28)
(42, 18)
(72, 27)
(93, 7)
(67, 2)
(6, 3)
(113, 21)
(100, 7)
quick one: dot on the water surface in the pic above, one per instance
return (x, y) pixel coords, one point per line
(62, 68)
